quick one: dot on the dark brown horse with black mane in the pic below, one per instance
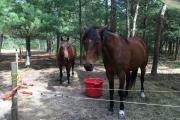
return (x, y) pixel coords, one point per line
(121, 57)
(66, 57)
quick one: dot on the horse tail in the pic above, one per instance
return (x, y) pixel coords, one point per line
(133, 77)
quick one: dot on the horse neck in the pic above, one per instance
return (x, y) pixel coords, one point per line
(112, 41)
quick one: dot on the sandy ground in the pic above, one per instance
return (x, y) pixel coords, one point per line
(52, 101)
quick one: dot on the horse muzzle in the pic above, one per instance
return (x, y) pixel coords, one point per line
(67, 59)
(88, 67)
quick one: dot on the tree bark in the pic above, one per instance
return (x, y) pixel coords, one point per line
(57, 45)
(28, 45)
(80, 30)
(157, 41)
(127, 19)
(1, 41)
(135, 19)
(113, 17)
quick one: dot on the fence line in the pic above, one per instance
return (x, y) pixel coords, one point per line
(105, 100)
(106, 89)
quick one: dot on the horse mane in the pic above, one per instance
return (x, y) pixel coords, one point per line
(120, 36)
(92, 34)
(124, 38)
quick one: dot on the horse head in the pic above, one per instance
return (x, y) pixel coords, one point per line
(92, 44)
(64, 46)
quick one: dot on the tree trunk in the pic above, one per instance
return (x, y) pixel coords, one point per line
(170, 47)
(173, 48)
(113, 17)
(166, 47)
(157, 41)
(49, 46)
(127, 19)
(145, 20)
(135, 19)
(28, 45)
(1, 41)
(161, 46)
(177, 48)
(57, 45)
(107, 13)
(80, 30)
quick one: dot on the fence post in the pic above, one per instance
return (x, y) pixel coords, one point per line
(14, 107)
(17, 58)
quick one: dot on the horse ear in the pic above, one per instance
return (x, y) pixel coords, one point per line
(61, 39)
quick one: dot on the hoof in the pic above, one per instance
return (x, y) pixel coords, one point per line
(142, 95)
(121, 115)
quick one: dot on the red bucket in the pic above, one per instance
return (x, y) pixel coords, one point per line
(93, 87)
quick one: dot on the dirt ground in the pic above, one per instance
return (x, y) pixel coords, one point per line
(52, 101)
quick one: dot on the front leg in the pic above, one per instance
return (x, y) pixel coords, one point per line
(121, 76)
(73, 69)
(60, 74)
(110, 76)
(68, 73)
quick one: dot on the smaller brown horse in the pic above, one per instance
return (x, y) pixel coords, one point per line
(66, 57)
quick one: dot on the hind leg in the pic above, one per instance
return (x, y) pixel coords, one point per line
(143, 70)
(127, 83)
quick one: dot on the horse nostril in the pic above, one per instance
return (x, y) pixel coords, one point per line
(66, 59)
(88, 67)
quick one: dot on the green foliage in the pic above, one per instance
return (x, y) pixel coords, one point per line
(43, 19)
(16, 43)
(172, 26)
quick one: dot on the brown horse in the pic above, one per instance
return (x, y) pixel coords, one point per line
(121, 57)
(66, 57)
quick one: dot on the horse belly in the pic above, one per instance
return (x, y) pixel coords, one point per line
(138, 59)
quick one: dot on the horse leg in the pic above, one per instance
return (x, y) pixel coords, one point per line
(127, 83)
(121, 94)
(61, 74)
(68, 73)
(110, 77)
(73, 69)
(143, 70)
